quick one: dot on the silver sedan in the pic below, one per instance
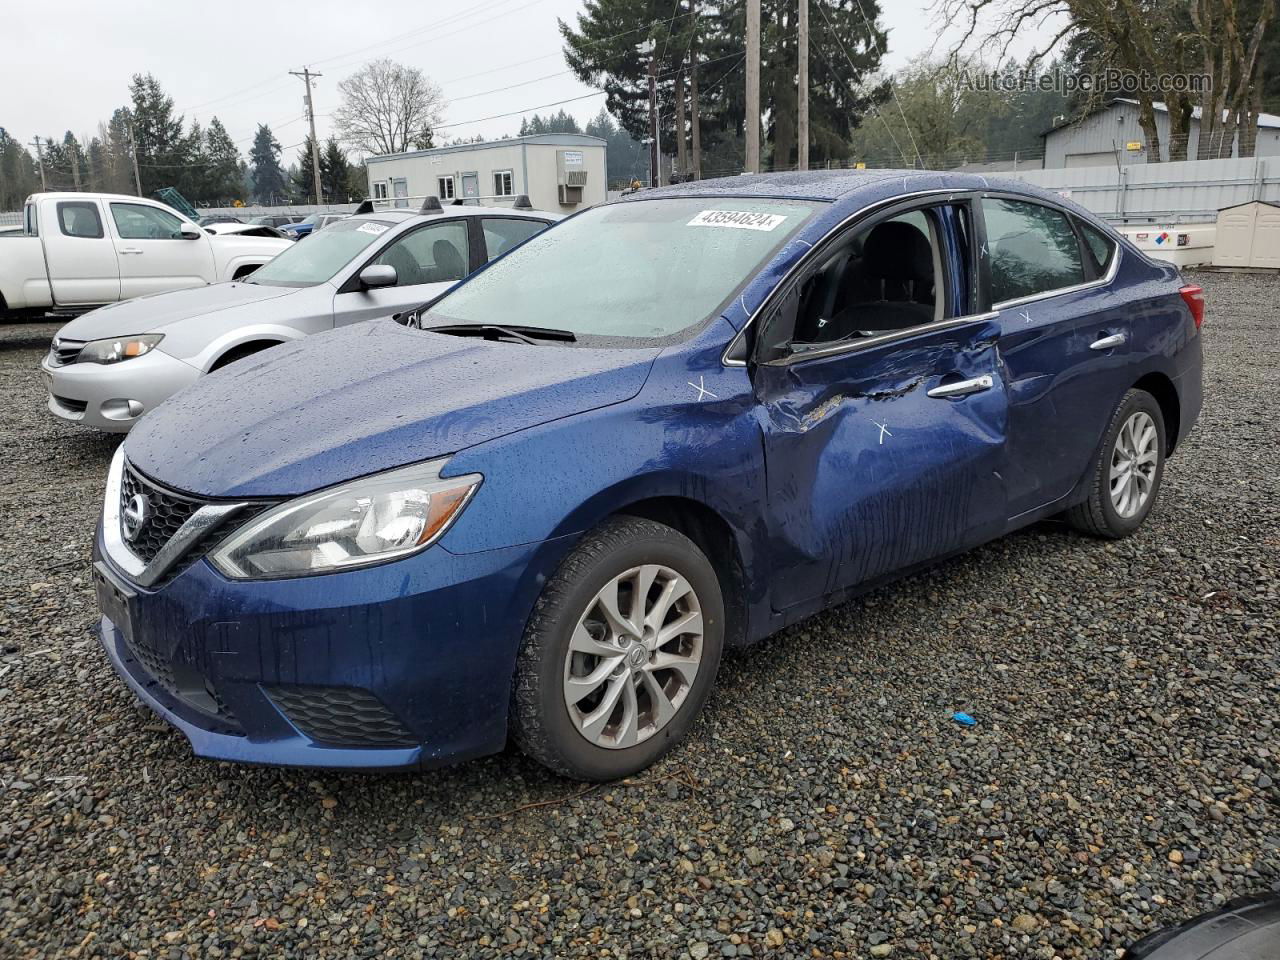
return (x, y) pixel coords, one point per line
(110, 366)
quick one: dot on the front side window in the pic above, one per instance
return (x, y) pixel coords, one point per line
(137, 222)
(502, 185)
(885, 277)
(502, 233)
(444, 188)
(80, 219)
(322, 256)
(434, 254)
(638, 270)
(1032, 249)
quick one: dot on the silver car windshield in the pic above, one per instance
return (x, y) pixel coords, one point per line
(319, 257)
(639, 269)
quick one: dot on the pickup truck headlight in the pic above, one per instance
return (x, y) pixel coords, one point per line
(115, 349)
(371, 520)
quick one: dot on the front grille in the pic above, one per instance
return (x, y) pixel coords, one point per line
(341, 716)
(65, 351)
(168, 511)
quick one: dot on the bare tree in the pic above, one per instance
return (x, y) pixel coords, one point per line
(388, 108)
(1219, 38)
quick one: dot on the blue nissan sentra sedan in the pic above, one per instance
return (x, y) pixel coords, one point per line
(542, 507)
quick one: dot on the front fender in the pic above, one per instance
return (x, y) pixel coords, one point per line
(257, 332)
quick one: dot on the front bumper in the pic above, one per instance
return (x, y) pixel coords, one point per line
(404, 665)
(112, 396)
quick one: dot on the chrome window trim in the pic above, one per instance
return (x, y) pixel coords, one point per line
(146, 574)
(864, 343)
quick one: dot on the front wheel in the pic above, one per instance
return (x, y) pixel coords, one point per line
(1127, 474)
(621, 652)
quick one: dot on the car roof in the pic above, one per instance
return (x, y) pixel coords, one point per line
(449, 212)
(832, 185)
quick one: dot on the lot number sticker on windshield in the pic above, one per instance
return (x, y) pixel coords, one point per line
(374, 228)
(737, 220)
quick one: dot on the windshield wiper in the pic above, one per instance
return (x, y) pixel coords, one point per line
(490, 331)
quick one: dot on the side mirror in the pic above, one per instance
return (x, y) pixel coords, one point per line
(189, 231)
(378, 275)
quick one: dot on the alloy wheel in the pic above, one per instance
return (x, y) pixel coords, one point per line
(633, 656)
(1134, 459)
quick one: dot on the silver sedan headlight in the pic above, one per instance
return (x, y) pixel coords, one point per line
(371, 520)
(115, 349)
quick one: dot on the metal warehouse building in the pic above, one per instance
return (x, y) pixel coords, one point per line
(560, 172)
(1111, 135)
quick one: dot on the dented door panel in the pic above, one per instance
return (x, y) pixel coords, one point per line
(866, 473)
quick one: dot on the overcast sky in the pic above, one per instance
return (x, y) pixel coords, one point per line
(70, 65)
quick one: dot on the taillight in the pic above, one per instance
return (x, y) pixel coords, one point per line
(1193, 296)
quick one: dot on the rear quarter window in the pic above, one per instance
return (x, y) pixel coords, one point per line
(1101, 248)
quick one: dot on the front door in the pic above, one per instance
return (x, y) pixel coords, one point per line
(428, 261)
(154, 255)
(400, 191)
(884, 414)
(471, 186)
(1064, 338)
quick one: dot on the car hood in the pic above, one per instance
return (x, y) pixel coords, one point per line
(150, 314)
(366, 398)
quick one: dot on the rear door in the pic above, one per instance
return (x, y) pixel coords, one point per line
(153, 253)
(80, 257)
(1064, 339)
(883, 409)
(428, 260)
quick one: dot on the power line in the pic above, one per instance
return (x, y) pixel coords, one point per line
(516, 113)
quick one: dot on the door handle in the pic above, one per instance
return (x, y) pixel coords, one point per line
(1109, 343)
(963, 388)
(130, 250)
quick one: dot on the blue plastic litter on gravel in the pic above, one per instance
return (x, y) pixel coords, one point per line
(963, 719)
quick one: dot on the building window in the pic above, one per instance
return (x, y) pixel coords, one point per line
(444, 188)
(380, 190)
(502, 184)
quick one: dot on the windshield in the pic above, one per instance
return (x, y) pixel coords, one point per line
(640, 269)
(322, 256)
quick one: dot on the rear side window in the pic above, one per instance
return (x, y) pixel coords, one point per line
(502, 233)
(137, 222)
(1032, 249)
(80, 219)
(1102, 249)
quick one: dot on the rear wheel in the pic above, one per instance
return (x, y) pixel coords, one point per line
(621, 652)
(1127, 474)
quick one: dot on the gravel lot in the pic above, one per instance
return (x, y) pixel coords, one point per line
(1122, 775)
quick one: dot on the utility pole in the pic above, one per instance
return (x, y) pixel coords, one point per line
(649, 47)
(802, 113)
(753, 86)
(133, 151)
(307, 76)
(44, 185)
(695, 135)
(75, 167)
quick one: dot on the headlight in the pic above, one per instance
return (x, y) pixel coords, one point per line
(372, 520)
(118, 348)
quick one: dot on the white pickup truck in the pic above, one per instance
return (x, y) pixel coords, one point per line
(81, 250)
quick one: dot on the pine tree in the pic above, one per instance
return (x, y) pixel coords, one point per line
(163, 149)
(19, 177)
(335, 173)
(269, 184)
(223, 178)
(303, 185)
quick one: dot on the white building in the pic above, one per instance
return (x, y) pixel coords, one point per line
(1111, 136)
(560, 172)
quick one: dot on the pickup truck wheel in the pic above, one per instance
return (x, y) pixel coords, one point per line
(620, 653)
(1127, 473)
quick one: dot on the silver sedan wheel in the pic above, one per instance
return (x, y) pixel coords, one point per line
(633, 656)
(1133, 464)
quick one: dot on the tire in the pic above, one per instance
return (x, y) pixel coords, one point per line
(1102, 514)
(634, 729)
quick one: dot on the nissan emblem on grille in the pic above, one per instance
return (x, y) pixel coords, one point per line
(135, 515)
